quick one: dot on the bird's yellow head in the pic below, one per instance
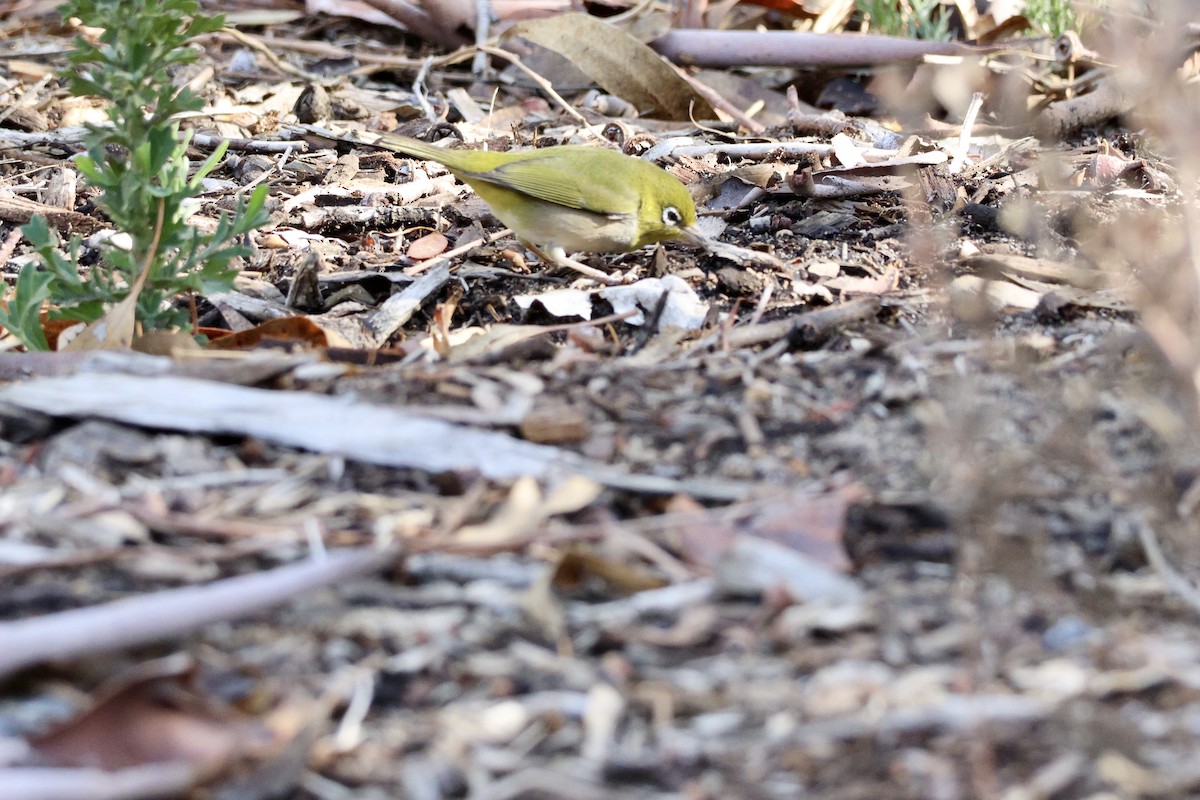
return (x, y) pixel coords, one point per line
(666, 210)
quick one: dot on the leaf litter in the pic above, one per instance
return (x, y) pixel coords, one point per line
(867, 515)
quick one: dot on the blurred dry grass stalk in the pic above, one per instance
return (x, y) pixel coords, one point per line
(1031, 461)
(1160, 251)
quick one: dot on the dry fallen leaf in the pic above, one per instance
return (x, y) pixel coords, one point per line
(165, 343)
(113, 331)
(152, 716)
(294, 330)
(581, 565)
(493, 340)
(808, 523)
(526, 509)
(428, 246)
(619, 63)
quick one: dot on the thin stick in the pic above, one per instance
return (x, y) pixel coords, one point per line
(278, 63)
(718, 101)
(172, 613)
(425, 266)
(418, 87)
(544, 84)
(964, 135)
(1172, 579)
(483, 27)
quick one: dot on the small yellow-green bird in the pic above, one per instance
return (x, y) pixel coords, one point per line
(570, 198)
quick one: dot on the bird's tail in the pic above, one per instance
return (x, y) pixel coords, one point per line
(408, 146)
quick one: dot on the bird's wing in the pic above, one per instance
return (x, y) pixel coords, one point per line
(555, 179)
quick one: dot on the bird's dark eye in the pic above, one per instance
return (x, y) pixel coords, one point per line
(671, 216)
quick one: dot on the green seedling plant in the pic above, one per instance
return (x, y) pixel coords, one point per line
(1055, 17)
(913, 19)
(138, 162)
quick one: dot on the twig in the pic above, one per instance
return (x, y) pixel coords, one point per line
(19, 210)
(755, 150)
(544, 84)
(810, 327)
(430, 27)
(718, 101)
(208, 141)
(10, 245)
(1170, 577)
(964, 135)
(425, 266)
(324, 50)
(761, 307)
(631, 12)
(483, 27)
(278, 63)
(1110, 98)
(418, 86)
(729, 48)
(276, 169)
(170, 614)
(144, 782)
(399, 308)
(25, 95)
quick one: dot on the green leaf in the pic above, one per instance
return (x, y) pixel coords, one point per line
(209, 164)
(139, 164)
(22, 317)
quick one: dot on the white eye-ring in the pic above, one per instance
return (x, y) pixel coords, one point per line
(671, 216)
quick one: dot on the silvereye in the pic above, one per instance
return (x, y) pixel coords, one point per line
(570, 198)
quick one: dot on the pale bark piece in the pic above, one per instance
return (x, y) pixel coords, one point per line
(361, 431)
(138, 783)
(369, 433)
(682, 308)
(1010, 265)
(399, 308)
(139, 620)
(19, 210)
(619, 63)
(753, 565)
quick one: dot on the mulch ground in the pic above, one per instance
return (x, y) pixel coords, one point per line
(907, 513)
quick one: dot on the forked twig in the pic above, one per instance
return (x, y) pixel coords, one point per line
(1170, 576)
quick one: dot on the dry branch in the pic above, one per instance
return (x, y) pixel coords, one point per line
(148, 618)
(793, 49)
